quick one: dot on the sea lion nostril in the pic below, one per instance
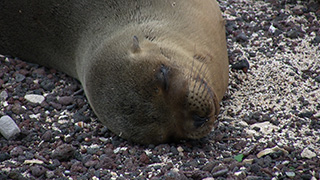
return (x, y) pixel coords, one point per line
(164, 76)
(199, 121)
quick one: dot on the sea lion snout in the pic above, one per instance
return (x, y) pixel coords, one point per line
(202, 104)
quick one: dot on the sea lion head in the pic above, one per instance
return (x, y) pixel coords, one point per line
(152, 94)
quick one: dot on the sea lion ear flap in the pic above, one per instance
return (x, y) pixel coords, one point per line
(135, 45)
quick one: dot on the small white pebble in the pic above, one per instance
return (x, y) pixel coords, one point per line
(34, 98)
(8, 127)
(5, 104)
(33, 161)
(35, 116)
(307, 153)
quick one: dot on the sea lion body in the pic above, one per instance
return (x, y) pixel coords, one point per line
(153, 71)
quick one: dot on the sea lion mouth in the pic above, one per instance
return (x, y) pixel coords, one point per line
(199, 121)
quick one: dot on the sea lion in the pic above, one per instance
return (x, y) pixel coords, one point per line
(153, 71)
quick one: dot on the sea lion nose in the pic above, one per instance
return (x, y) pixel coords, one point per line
(198, 120)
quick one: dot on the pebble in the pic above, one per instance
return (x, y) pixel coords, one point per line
(16, 175)
(221, 172)
(4, 156)
(241, 65)
(290, 174)
(20, 77)
(255, 168)
(49, 174)
(65, 100)
(305, 114)
(271, 150)
(242, 37)
(8, 127)
(4, 94)
(17, 109)
(47, 85)
(47, 136)
(144, 158)
(63, 152)
(107, 162)
(293, 34)
(316, 79)
(174, 150)
(253, 178)
(209, 166)
(16, 151)
(307, 153)
(316, 40)
(265, 127)
(38, 170)
(33, 161)
(175, 174)
(34, 98)
(78, 167)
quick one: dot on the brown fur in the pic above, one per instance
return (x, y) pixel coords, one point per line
(153, 71)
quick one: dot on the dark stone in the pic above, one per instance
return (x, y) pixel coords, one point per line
(16, 175)
(65, 100)
(256, 116)
(63, 152)
(47, 136)
(255, 168)
(316, 40)
(4, 156)
(252, 54)
(256, 128)
(174, 150)
(144, 158)
(219, 171)
(172, 174)
(116, 141)
(17, 109)
(78, 116)
(38, 171)
(55, 105)
(209, 166)
(293, 34)
(317, 79)
(241, 65)
(242, 37)
(107, 163)
(16, 151)
(306, 176)
(47, 85)
(307, 114)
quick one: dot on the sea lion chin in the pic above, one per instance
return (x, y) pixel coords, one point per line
(153, 71)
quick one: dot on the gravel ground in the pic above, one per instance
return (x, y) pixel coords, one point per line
(268, 128)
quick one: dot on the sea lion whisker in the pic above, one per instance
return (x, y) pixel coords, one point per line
(205, 88)
(200, 70)
(192, 66)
